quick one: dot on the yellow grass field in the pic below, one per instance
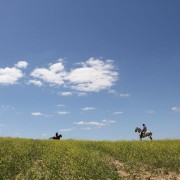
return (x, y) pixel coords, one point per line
(83, 159)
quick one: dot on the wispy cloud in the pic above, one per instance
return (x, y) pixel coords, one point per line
(124, 95)
(60, 105)
(88, 108)
(118, 113)
(95, 124)
(65, 93)
(41, 114)
(37, 114)
(70, 93)
(175, 109)
(90, 123)
(106, 122)
(63, 112)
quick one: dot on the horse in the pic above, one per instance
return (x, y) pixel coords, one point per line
(146, 134)
(58, 137)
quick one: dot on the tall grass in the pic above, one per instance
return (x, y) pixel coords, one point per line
(78, 159)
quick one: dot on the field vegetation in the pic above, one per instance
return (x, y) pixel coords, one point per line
(82, 159)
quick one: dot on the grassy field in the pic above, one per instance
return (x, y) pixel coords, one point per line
(80, 159)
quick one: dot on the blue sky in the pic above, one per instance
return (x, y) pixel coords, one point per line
(89, 69)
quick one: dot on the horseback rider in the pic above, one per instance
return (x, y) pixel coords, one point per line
(56, 134)
(144, 129)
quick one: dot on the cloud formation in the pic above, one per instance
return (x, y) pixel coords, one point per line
(95, 124)
(21, 64)
(37, 114)
(63, 112)
(11, 75)
(175, 109)
(118, 113)
(124, 95)
(67, 93)
(88, 108)
(92, 75)
(54, 75)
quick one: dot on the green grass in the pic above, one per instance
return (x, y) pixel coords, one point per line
(78, 159)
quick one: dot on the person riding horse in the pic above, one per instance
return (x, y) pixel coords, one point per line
(144, 129)
(57, 136)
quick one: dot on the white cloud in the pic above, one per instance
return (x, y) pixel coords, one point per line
(65, 93)
(63, 112)
(57, 67)
(21, 64)
(37, 114)
(60, 105)
(124, 95)
(93, 76)
(35, 82)
(89, 123)
(106, 122)
(175, 109)
(118, 113)
(10, 76)
(88, 108)
(54, 75)
(96, 124)
(68, 93)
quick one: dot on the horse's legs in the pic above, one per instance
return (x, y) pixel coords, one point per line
(150, 137)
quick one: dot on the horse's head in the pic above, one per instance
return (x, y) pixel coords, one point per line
(138, 130)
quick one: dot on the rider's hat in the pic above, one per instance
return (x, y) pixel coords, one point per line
(143, 124)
